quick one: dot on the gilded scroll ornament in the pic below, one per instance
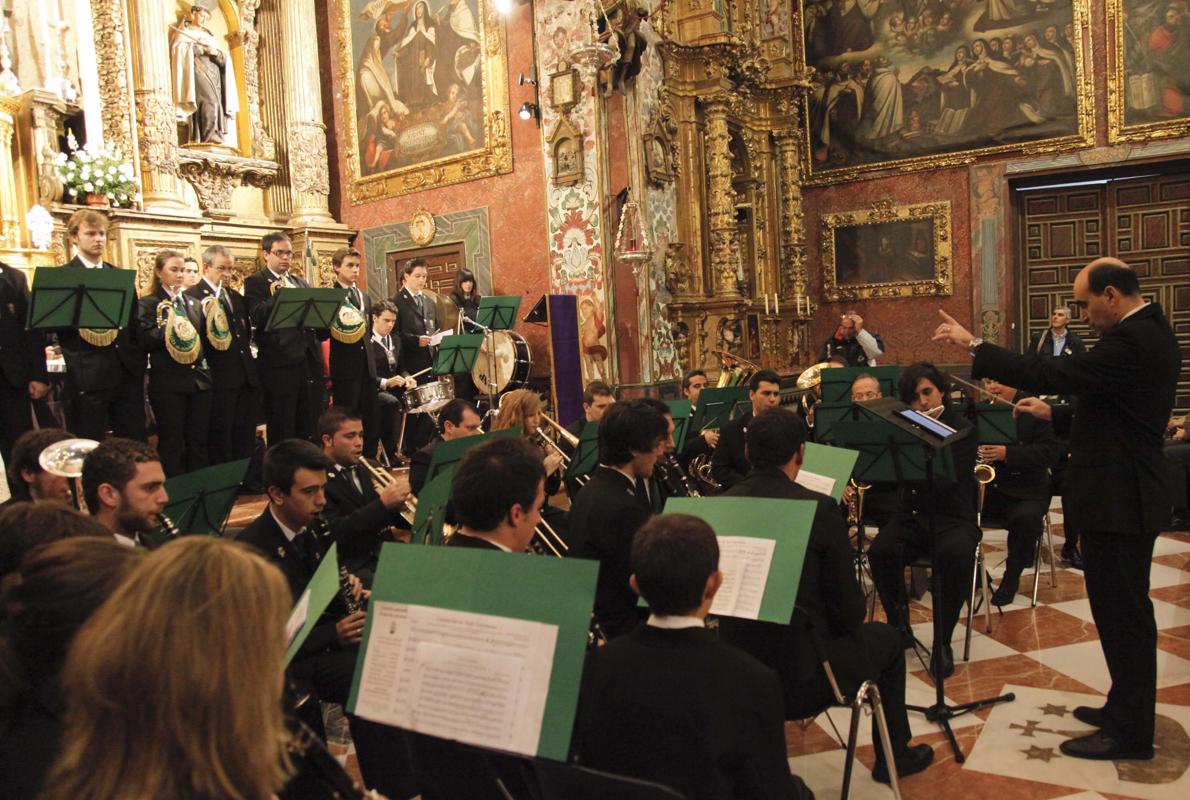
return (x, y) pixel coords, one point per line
(116, 104)
(308, 158)
(216, 175)
(157, 131)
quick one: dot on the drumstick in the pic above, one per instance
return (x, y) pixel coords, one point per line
(978, 388)
(421, 372)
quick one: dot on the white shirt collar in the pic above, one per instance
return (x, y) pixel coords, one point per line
(673, 623)
(376, 337)
(290, 534)
(277, 275)
(124, 540)
(214, 288)
(631, 478)
(89, 264)
(1133, 311)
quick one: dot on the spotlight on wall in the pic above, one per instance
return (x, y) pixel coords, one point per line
(529, 111)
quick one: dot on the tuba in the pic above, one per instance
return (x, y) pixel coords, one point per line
(808, 384)
(181, 338)
(218, 326)
(65, 459)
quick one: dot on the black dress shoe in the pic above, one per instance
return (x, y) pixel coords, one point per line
(1099, 746)
(946, 656)
(1073, 558)
(1090, 715)
(1006, 591)
(912, 761)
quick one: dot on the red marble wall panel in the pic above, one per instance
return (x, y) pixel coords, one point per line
(624, 287)
(515, 202)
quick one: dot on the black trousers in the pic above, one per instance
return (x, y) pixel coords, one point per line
(1177, 470)
(16, 417)
(233, 424)
(388, 411)
(874, 653)
(1024, 521)
(183, 427)
(121, 409)
(293, 401)
(906, 539)
(1117, 575)
(360, 395)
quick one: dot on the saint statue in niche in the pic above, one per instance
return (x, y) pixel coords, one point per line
(205, 93)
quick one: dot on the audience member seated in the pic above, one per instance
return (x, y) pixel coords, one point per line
(670, 702)
(60, 586)
(146, 717)
(26, 479)
(829, 597)
(124, 487)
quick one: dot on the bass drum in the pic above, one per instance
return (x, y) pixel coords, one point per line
(507, 368)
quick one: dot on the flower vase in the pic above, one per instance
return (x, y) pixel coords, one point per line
(96, 200)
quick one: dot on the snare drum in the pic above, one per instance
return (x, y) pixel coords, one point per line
(429, 397)
(509, 364)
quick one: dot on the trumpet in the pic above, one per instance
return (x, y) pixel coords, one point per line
(381, 479)
(547, 443)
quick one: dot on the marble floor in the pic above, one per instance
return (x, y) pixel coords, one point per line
(1050, 658)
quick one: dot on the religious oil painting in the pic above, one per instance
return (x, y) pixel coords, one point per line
(916, 84)
(426, 90)
(887, 251)
(1149, 69)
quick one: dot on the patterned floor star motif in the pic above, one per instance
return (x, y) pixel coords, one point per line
(1035, 753)
(1052, 710)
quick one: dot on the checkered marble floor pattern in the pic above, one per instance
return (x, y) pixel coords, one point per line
(1049, 656)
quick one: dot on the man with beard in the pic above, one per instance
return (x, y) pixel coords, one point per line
(124, 486)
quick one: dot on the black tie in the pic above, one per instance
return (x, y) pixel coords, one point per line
(307, 548)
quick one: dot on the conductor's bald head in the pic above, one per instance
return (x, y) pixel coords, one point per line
(1105, 291)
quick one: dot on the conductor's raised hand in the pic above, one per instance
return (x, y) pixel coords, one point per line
(951, 331)
(1033, 405)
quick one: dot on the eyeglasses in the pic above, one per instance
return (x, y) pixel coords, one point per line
(282, 253)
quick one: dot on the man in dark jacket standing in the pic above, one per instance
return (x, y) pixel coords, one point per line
(1117, 493)
(23, 376)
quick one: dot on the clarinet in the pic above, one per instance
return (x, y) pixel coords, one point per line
(168, 527)
(345, 592)
(681, 487)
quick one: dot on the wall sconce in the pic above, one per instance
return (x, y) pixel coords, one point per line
(530, 111)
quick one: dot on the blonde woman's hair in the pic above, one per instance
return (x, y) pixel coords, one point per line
(514, 407)
(174, 684)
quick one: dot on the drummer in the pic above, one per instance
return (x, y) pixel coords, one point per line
(391, 383)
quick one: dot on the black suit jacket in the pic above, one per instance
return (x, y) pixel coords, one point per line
(954, 501)
(827, 592)
(729, 465)
(22, 352)
(359, 522)
(411, 325)
(92, 369)
(265, 535)
(165, 374)
(1024, 473)
(355, 361)
(473, 542)
(235, 366)
(419, 465)
(291, 347)
(380, 358)
(603, 519)
(681, 708)
(1125, 389)
(1042, 344)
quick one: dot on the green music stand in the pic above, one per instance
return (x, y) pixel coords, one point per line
(825, 416)
(717, 406)
(679, 410)
(995, 424)
(431, 507)
(448, 454)
(457, 353)
(295, 307)
(76, 297)
(836, 382)
(586, 456)
(200, 501)
(497, 313)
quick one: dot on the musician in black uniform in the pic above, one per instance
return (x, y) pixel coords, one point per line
(360, 517)
(830, 604)
(666, 481)
(466, 296)
(497, 494)
(23, 376)
(697, 442)
(290, 360)
(417, 319)
(234, 379)
(610, 508)
(179, 379)
(670, 702)
(1019, 497)
(124, 488)
(291, 534)
(353, 365)
(597, 399)
(729, 465)
(907, 537)
(457, 419)
(105, 370)
(390, 383)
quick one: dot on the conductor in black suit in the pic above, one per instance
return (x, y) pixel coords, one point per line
(179, 378)
(23, 376)
(234, 380)
(417, 319)
(830, 605)
(670, 702)
(497, 494)
(290, 360)
(105, 376)
(729, 464)
(612, 507)
(353, 364)
(1116, 493)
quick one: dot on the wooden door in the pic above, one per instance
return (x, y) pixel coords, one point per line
(1142, 220)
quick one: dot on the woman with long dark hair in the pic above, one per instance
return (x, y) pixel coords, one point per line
(466, 296)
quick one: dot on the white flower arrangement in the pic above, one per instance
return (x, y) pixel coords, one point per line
(97, 170)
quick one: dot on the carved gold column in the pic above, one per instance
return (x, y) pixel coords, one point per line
(793, 229)
(156, 128)
(721, 203)
(304, 133)
(691, 196)
(10, 220)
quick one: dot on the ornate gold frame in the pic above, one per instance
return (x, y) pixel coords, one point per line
(1085, 113)
(493, 158)
(883, 212)
(1118, 130)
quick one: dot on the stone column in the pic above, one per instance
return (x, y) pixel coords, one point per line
(721, 203)
(793, 228)
(156, 126)
(304, 134)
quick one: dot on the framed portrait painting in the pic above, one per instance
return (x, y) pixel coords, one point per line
(425, 85)
(887, 251)
(1148, 89)
(930, 83)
